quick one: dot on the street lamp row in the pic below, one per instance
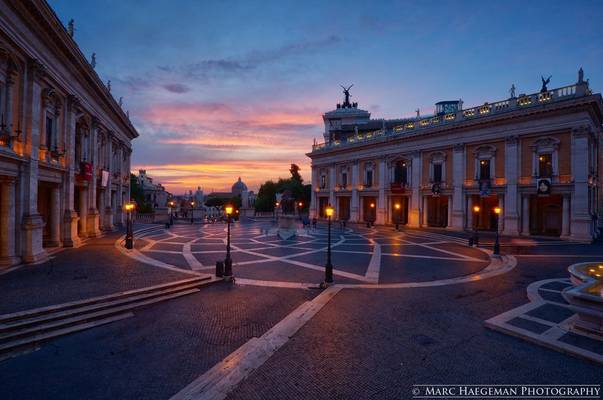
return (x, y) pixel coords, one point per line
(474, 240)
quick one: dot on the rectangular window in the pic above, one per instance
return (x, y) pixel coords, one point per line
(49, 128)
(344, 179)
(401, 173)
(437, 173)
(545, 165)
(484, 169)
(369, 178)
(323, 181)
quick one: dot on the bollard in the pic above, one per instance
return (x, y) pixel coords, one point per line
(219, 269)
(228, 269)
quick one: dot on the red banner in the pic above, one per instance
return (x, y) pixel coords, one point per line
(86, 171)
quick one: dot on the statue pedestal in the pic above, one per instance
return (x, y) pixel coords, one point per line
(287, 226)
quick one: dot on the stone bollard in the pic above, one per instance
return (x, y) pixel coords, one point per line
(219, 269)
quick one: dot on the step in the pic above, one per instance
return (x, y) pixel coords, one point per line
(61, 314)
(74, 304)
(8, 348)
(84, 318)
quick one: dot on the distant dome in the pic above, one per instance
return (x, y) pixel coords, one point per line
(238, 187)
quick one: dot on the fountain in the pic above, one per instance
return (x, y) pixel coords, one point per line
(586, 296)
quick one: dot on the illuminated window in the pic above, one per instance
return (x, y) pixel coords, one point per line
(545, 165)
(401, 173)
(484, 169)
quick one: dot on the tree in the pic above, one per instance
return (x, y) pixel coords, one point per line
(137, 195)
(294, 170)
(266, 197)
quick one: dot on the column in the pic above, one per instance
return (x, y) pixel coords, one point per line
(70, 217)
(314, 199)
(332, 181)
(525, 216)
(354, 207)
(83, 212)
(55, 217)
(381, 199)
(469, 212)
(450, 208)
(32, 222)
(501, 217)
(565, 218)
(119, 195)
(92, 224)
(424, 211)
(581, 221)
(414, 207)
(510, 210)
(8, 255)
(455, 219)
(108, 210)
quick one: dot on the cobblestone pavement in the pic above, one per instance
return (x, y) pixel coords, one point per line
(359, 256)
(95, 269)
(153, 354)
(375, 344)
(367, 342)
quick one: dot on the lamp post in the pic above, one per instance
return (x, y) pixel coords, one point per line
(171, 204)
(397, 207)
(475, 239)
(369, 220)
(497, 211)
(329, 266)
(192, 211)
(129, 207)
(228, 261)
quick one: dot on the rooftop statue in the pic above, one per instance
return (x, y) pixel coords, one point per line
(580, 75)
(512, 91)
(544, 83)
(346, 92)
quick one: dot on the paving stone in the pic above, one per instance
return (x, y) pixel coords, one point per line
(529, 325)
(584, 342)
(556, 285)
(552, 296)
(551, 312)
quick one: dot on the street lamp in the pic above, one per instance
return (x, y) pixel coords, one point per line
(369, 221)
(397, 207)
(192, 211)
(475, 240)
(129, 207)
(329, 267)
(171, 204)
(228, 261)
(497, 211)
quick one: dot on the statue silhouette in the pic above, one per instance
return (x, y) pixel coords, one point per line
(544, 83)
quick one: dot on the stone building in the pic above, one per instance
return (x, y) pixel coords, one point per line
(536, 157)
(64, 141)
(154, 193)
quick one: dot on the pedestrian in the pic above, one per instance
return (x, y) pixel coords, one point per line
(314, 222)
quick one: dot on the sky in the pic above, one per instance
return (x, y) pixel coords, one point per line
(222, 89)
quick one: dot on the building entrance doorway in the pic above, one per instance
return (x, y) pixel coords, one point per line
(399, 210)
(369, 209)
(485, 219)
(322, 206)
(437, 211)
(45, 209)
(343, 208)
(546, 215)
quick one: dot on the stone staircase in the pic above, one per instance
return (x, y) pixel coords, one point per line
(23, 330)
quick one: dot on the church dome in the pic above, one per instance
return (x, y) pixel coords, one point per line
(239, 187)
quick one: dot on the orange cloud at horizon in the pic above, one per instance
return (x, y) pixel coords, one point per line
(219, 176)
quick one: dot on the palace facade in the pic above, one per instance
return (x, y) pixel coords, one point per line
(64, 140)
(535, 157)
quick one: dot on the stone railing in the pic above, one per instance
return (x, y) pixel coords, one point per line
(487, 109)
